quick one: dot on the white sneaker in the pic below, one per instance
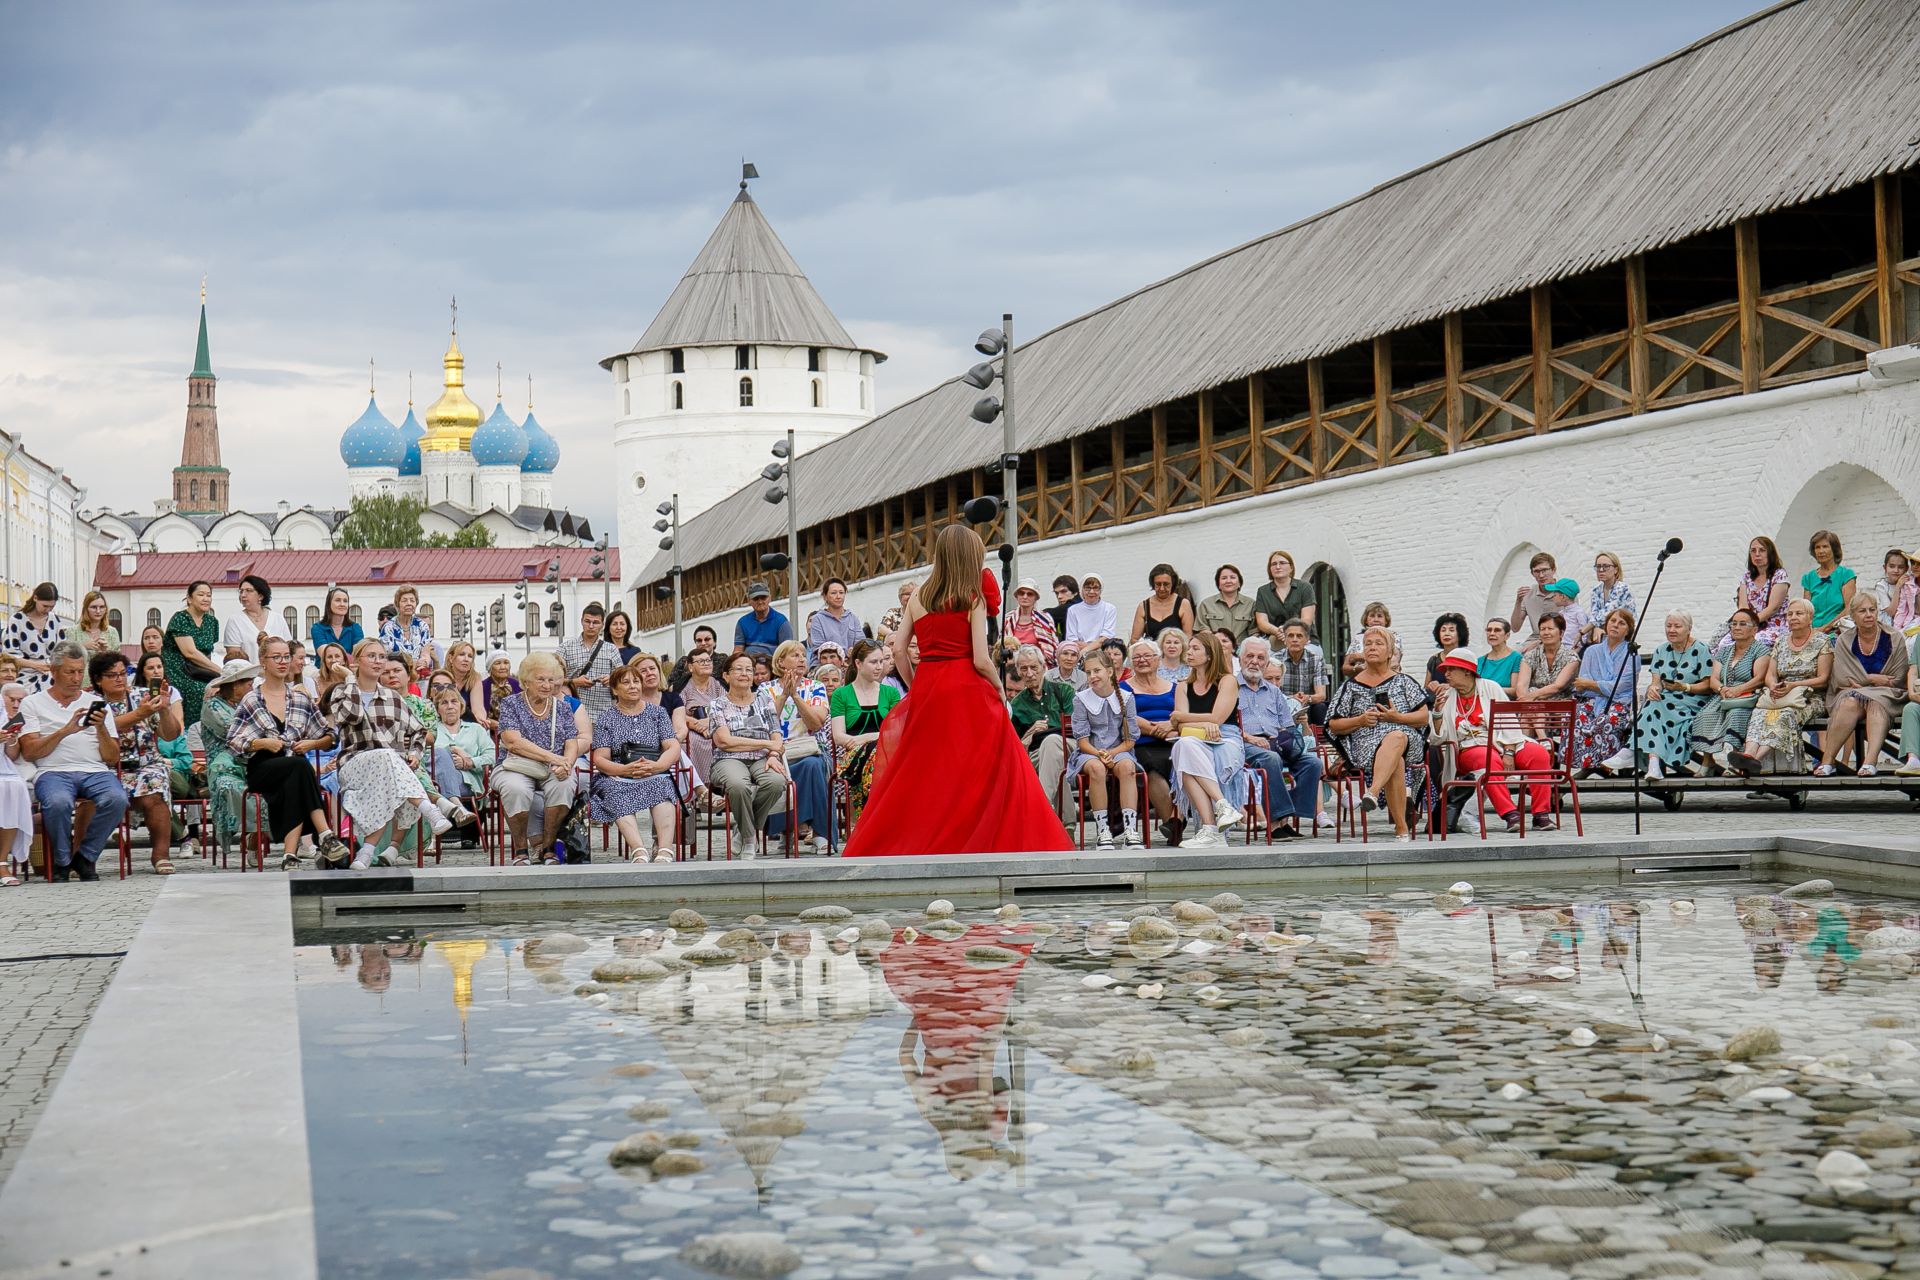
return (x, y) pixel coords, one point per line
(361, 862)
(1105, 843)
(390, 858)
(437, 822)
(1130, 832)
(1225, 815)
(1654, 768)
(1621, 759)
(1205, 838)
(1911, 768)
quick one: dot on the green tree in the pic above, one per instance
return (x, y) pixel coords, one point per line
(390, 521)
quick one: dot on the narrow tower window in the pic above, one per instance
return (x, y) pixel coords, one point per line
(746, 393)
(813, 359)
(679, 360)
(743, 358)
(816, 393)
(679, 396)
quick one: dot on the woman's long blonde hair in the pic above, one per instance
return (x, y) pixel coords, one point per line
(1216, 659)
(954, 584)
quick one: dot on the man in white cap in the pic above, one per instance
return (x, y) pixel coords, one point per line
(1092, 619)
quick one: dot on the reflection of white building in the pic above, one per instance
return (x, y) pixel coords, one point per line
(743, 349)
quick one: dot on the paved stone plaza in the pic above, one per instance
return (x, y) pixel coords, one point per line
(45, 1003)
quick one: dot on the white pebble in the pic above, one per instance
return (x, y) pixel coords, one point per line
(1841, 1166)
(1460, 889)
(1150, 990)
(1769, 1093)
(1581, 1036)
(848, 935)
(1097, 981)
(1513, 1092)
(1207, 993)
(1198, 947)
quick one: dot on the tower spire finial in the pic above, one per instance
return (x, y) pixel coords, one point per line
(746, 171)
(203, 289)
(497, 393)
(409, 388)
(529, 393)
(369, 375)
(454, 324)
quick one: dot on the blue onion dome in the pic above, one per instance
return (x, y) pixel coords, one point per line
(543, 451)
(499, 441)
(372, 441)
(411, 431)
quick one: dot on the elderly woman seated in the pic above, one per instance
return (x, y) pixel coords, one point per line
(1735, 679)
(1464, 717)
(1378, 718)
(1678, 688)
(540, 740)
(1794, 694)
(1868, 684)
(634, 754)
(1605, 690)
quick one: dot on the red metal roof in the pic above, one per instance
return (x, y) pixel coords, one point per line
(348, 568)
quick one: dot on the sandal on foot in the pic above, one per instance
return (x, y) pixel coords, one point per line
(520, 859)
(9, 882)
(163, 868)
(664, 855)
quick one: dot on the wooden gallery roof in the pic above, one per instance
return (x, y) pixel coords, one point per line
(1795, 102)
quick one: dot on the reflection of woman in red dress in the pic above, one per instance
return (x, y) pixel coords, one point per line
(949, 774)
(959, 1009)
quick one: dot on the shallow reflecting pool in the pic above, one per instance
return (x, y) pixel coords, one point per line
(1720, 1080)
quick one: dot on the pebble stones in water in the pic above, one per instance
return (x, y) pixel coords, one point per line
(755, 922)
(946, 930)
(1810, 889)
(644, 1111)
(1007, 913)
(677, 1163)
(708, 956)
(1843, 1172)
(561, 944)
(1187, 912)
(1226, 902)
(827, 914)
(1748, 1043)
(734, 939)
(939, 909)
(637, 1148)
(1136, 1061)
(742, 1255)
(1893, 937)
(1151, 929)
(1243, 1037)
(876, 929)
(621, 969)
(633, 1070)
(686, 920)
(991, 956)
(1214, 933)
(1581, 1037)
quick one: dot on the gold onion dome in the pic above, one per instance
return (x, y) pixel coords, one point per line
(453, 418)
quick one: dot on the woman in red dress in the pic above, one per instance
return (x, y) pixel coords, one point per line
(949, 774)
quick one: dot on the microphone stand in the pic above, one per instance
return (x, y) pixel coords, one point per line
(1633, 690)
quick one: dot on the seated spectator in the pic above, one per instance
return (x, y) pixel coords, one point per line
(1042, 711)
(829, 675)
(1209, 757)
(1301, 673)
(858, 709)
(184, 781)
(1794, 694)
(890, 620)
(16, 797)
(634, 754)
(381, 743)
(1172, 643)
(273, 729)
(800, 705)
(1449, 633)
(1275, 743)
(1104, 719)
(749, 762)
(1153, 700)
(1605, 690)
(226, 773)
(1230, 647)
(1501, 662)
(1609, 593)
(762, 667)
(1067, 656)
(700, 691)
(764, 628)
(1829, 585)
(1909, 715)
(834, 623)
(1895, 591)
(1548, 673)
(1677, 691)
(1166, 609)
(71, 738)
(461, 750)
(540, 739)
(1464, 717)
(1028, 623)
(1378, 719)
(705, 640)
(1066, 594)
(1376, 614)
(1531, 603)
(1867, 684)
(1735, 680)
(1282, 598)
(139, 723)
(1092, 618)
(1763, 588)
(1226, 609)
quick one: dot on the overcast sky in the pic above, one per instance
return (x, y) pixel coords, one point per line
(338, 170)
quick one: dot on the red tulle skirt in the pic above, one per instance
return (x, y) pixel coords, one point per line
(950, 777)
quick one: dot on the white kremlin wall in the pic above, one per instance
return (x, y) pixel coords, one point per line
(1455, 533)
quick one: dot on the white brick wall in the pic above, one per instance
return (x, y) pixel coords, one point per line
(1456, 533)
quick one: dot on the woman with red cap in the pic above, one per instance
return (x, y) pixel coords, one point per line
(1464, 716)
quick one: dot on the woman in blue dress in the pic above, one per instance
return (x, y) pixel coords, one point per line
(1681, 685)
(634, 752)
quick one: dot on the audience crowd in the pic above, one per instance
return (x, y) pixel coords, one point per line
(1184, 711)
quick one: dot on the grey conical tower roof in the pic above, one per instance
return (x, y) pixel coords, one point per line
(744, 287)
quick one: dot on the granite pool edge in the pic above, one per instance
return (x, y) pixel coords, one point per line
(175, 1144)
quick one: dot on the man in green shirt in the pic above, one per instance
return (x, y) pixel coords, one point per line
(1042, 712)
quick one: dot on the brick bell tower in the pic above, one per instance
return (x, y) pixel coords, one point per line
(200, 482)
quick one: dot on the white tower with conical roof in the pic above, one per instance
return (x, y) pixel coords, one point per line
(743, 349)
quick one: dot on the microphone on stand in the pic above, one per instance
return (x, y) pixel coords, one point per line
(1672, 548)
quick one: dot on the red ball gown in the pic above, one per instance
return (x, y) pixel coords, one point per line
(949, 774)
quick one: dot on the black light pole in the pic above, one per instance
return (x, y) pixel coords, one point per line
(1632, 664)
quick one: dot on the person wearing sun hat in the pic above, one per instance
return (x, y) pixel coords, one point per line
(1091, 618)
(1027, 623)
(1463, 716)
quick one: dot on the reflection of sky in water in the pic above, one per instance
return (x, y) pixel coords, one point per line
(461, 1100)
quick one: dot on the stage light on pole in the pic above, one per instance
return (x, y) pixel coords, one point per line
(990, 409)
(784, 451)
